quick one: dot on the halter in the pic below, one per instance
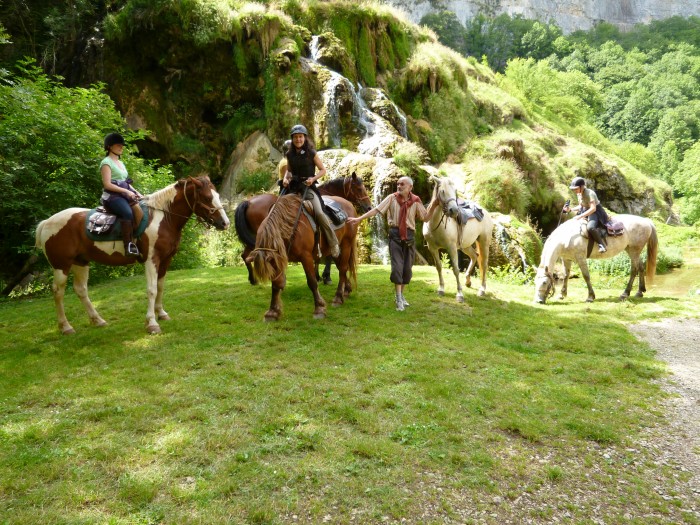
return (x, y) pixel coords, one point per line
(348, 191)
(208, 223)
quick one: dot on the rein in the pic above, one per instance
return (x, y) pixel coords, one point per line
(210, 209)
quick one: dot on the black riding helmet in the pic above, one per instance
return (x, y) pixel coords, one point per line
(298, 129)
(113, 139)
(577, 182)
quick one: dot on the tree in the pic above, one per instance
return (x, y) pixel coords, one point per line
(448, 29)
(687, 181)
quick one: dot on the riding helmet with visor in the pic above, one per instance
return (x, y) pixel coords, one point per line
(298, 129)
(577, 182)
(112, 139)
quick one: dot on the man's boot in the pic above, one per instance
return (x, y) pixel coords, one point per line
(130, 249)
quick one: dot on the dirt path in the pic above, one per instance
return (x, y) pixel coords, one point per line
(677, 342)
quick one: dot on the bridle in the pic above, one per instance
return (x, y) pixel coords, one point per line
(208, 222)
(349, 194)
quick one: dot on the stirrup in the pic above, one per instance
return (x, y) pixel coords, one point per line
(132, 249)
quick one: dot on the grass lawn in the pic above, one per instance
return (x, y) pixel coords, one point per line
(444, 413)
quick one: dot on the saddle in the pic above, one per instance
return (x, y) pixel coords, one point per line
(333, 210)
(614, 227)
(468, 210)
(100, 225)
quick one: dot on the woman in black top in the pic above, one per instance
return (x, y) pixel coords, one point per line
(302, 161)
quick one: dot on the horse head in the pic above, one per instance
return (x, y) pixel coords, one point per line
(203, 200)
(446, 193)
(544, 285)
(355, 192)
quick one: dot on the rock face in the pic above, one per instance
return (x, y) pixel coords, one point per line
(570, 15)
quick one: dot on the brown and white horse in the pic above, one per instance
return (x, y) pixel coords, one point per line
(444, 232)
(569, 243)
(64, 241)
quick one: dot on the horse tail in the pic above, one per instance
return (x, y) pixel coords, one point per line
(652, 252)
(37, 235)
(245, 234)
(269, 257)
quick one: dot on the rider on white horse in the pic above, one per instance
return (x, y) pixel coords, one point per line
(589, 207)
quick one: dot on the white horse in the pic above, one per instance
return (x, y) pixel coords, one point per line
(444, 231)
(569, 243)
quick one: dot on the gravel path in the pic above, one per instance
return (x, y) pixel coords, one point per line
(677, 342)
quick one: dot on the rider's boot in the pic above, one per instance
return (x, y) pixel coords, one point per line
(130, 248)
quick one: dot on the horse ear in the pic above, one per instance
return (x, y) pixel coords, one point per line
(354, 175)
(433, 179)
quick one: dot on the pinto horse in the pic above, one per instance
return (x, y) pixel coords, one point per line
(64, 241)
(280, 239)
(250, 213)
(444, 231)
(569, 243)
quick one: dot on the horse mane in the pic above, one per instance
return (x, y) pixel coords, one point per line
(333, 184)
(162, 199)
(270, 254)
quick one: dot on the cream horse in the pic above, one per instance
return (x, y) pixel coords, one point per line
(569, 243)
(443, 231)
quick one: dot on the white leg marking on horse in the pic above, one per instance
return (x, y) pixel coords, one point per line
(59, 289)
(80, 285)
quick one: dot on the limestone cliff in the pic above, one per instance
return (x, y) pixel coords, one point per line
(570, 15)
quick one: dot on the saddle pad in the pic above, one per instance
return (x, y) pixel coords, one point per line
(309, 212)
(469, 210)
(335, 211)
(102, 223)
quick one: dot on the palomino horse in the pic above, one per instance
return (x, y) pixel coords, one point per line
(63, 239)
(568, 242)
(278, 242)
(250, 213)
(444, 231)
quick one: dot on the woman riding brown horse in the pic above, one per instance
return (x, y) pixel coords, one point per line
(281, 239)
(64, 240)
(250, 213)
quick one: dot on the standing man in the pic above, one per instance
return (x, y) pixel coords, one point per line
(400, 210)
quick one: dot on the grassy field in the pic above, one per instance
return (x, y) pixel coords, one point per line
(493, 411)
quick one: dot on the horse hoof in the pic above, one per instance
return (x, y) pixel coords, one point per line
(639, 295)
(99, 323)
(164, 317)
(153, 329)
(68, 331)
(460, 298)
(590, 299)
(338, 302)
(327, 280)
(271, 315)
(441, 293)
(320, 315)
(481, 293)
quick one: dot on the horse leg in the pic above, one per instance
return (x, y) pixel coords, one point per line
(634, 271)
(80, 282)
(152, 326)
(327, 271)
(471, 253)
(454, 262)
(319, 303)
(275, 311)
(438, 266)
(583, 264)
(343, 282)
(60, 278)
(246, 252)
(162, 314)
(484, 247)
(642, 283)
(567, 272)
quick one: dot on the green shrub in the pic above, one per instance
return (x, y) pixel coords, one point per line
(254, 181)
(499, 186)
(408, 156)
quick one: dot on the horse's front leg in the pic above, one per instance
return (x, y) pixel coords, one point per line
(319, 303)
(341, 291)
(567, 273)
(583, 264)
(435, 252)
(162, 314)
(471, 253)
(275, 311)
(59, 290)
(152, 326)
(454, 262)
(80, 285)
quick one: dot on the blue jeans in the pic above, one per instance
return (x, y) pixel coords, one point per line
(120, 207)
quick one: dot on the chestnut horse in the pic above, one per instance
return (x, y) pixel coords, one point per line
(64, 241)
(569, 243)
(250, 213)
(281, 239)
(443, 231)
